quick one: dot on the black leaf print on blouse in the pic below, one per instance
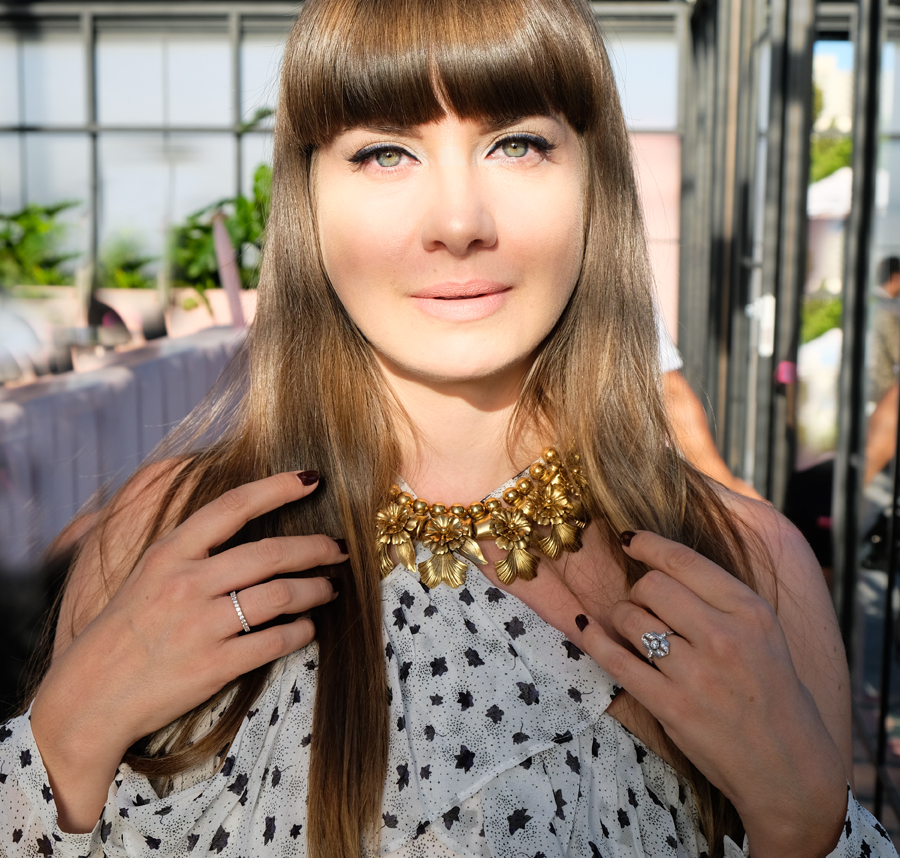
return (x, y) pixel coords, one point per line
(193, 840)
(471, 627)
(881, 830)
(520, 737)
(389, 651)
(466, 596)
(228, 767)
(17, 835)
(243, 799)
(632, 798)
(5, 733)
(512, 651)
(25, 758)
(439, 666)
(640, 753)
(425, 773)
(424, 586)
(45, 847)
(526, 764)
(429, 733)
(403, 780)
(465, 700)
(682, 795)
(390, 820)
(401, 722)
(165, 811)
(140, 801)
(399, 618)
(595, 747)
(595, 852)
(239, 785)
(654, 798)
(403, 673)
(493, 594)
(46, 793)
(474, 659)
(865, 850)
(671, 842)
(604, 829)
(304, 742)
(152, 842)
(390, 696)
(450, 817)
(495, 713)
(295, 694)
(407, 599)
(310, 665)
(220, 840)
(465, 759)
(295, 831)
(105, 831)
(575, 694)
(562, 738)
(848, 828)
(515, 628)
(575, 764)
(274, 719)
(414, 630)
(2, 778)
(251, 714)
(518, 819)
(276, 776)
(528, 693)
(674, 814)
(123, 812)
(572, 650)
(430, 611)
(624, 821)
(560, 803)
(269, 833)
(552, 828)
(437, 700)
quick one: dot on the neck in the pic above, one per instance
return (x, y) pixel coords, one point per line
(459, 451)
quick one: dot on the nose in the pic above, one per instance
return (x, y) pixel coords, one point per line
(458, 217)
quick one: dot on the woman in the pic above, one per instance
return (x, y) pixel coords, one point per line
(455, 279)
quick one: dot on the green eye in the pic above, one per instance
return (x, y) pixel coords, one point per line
(388, 157)
(515, 148)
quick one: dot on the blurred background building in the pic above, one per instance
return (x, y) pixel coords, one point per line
(767, 147)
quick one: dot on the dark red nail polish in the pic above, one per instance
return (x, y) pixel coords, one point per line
(342, 545)
(336, 584)
(308, 477)
(581, 621)
(626, 536)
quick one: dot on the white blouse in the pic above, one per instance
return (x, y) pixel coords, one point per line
(500, 745)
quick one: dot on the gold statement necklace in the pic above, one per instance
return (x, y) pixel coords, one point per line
(550, 496)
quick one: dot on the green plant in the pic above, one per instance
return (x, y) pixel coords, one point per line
(122, 266)
(29, 246)
(828, 152)
(819, 313)
(192, 249)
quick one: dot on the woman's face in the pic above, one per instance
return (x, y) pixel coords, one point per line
(454, 246)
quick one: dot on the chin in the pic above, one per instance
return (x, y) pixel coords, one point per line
(456, 368)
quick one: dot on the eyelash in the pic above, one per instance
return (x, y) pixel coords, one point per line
(541, 144)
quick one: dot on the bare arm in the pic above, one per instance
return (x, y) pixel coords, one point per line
(881, 436)
(696, 442)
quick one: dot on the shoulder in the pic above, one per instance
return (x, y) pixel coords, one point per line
(107, 544)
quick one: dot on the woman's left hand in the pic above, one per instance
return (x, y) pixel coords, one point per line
(728, 696)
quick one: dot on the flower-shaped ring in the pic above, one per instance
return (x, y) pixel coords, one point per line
(656, 644)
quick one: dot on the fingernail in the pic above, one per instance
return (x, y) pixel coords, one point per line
(342, 545)
(626, 536)
(581, 621)
(308, 477)
(336, 585)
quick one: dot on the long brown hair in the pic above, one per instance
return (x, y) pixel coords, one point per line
(288, 404)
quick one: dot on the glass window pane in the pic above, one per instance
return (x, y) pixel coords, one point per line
(890, 94)
(57, 170)
(646, 70)
(151, 181)
(10, 173)
(54, 79)
(198, 80)
(130, 79)
(9, 74)
(261, 55)
(256, 149)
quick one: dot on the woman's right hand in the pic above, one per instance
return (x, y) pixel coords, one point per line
(170, 638)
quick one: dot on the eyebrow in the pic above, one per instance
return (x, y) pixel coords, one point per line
(488, 126)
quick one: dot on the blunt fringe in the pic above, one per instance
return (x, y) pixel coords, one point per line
(286, 403)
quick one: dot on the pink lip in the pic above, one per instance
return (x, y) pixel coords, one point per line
(469, 301)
